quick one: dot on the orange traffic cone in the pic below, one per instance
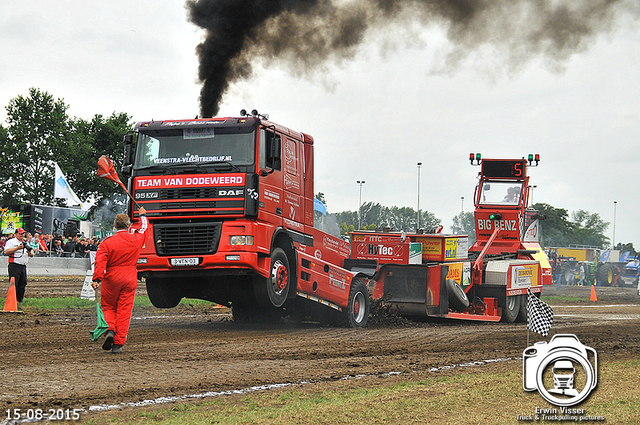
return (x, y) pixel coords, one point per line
(593, 294)
(11, 303)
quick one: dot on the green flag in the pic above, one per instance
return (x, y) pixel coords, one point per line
(102, 326)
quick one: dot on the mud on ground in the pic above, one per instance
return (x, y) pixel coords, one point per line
(47, 360)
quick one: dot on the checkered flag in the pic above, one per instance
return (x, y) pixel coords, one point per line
(539, 314)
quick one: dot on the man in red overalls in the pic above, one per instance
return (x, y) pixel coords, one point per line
(115, 268)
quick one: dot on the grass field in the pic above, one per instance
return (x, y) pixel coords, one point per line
(62, 303)
(482, 395)
(479, 397)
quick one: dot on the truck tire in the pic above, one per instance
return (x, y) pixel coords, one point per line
(357, 312)
(247, 313)
(242, 313)
(162, 293)
(606, 275)
(273, 291)
(511, 309)
(458, 299)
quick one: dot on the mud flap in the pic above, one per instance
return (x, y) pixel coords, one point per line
(415, 289)
(404, 284)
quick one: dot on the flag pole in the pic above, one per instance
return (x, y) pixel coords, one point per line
(528, 317)
(106, 170)
(53, 212)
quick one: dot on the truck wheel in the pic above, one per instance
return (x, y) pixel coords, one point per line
(162, 293)
(606, 275)
(357, 312)
(273, 291)
(511, 309)
(458, 299)
(247, 313)
(242, 313)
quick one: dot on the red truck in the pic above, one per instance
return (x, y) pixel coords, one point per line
(230, 203)
(487, 281)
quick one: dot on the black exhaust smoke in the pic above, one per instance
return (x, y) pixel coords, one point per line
(304, 34)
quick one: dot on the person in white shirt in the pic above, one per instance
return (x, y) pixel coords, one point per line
(19, 253)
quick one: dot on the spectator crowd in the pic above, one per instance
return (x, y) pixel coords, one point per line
(57, 246)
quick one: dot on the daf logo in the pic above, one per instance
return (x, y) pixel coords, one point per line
(231, 192)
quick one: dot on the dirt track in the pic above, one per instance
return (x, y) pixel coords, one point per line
(49, 362)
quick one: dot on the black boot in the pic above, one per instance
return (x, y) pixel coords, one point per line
(108, 340)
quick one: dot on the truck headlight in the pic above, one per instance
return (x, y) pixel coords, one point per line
(241, 240)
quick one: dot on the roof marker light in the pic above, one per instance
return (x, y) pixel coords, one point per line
(535, 158)
(475, 156)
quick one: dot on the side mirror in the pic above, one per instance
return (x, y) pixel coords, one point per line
(128, 143)
(128, 160)
(274, 151)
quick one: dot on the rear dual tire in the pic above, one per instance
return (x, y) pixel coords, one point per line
(356, 314)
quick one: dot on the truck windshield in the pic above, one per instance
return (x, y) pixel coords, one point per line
(180, 146)
(500, 193)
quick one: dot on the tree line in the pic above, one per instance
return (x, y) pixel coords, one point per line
(38, 132)
(559, 229)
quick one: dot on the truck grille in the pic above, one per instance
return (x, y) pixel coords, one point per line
(192, 202)
(182, 193)
(186, 239)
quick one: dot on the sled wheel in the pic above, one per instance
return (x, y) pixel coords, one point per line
(522, 314)
(458, 299)
(511, 309)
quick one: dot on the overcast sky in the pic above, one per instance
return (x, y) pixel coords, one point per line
(373, 117)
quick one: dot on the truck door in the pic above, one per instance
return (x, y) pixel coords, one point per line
(293, 211)
(271, 194)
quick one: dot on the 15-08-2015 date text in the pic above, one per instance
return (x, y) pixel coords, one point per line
(44, 414)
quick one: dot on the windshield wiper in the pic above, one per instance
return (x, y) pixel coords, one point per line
(163, 169)
(232, 165)
(215, 164)
(158, 169)
(194, 168)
